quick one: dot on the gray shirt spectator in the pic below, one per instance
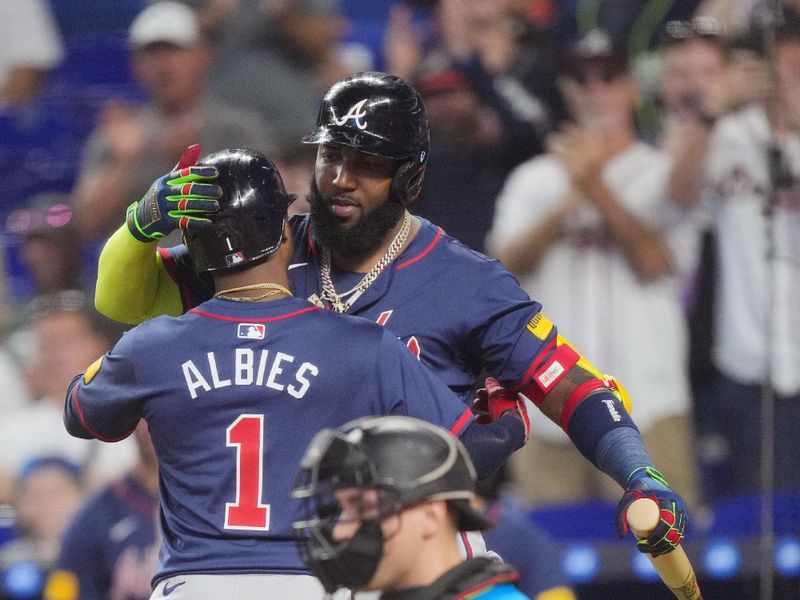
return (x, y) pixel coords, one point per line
(131, 146)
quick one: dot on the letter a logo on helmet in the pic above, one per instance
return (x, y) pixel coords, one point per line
(356, 113)
(398, 125)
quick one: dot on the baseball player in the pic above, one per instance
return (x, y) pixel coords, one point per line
(384, 497)
(361, 252)
(234, 390)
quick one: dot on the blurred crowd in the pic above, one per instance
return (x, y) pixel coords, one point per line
(635, 163)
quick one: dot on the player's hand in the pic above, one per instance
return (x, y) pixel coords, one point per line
(181, 199)
(493, 401)
(646, 482)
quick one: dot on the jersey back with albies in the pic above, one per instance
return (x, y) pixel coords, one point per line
(457, 310)
(233, 392)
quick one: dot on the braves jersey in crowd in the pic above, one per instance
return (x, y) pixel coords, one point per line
(457, 310)
(233, 392)
(109, 549)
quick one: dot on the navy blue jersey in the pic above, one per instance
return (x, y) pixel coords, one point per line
(109, 546)
(457, 310)
(233, 392)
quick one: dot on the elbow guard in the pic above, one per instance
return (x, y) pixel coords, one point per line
(558, 358)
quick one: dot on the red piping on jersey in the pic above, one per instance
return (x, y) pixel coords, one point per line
(420, 256)
(462, 422)
(467, 546)
(169, 265)
(81, 416)
(575, 398)
(248, 320)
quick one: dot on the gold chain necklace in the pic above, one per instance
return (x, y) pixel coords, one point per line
(273, 289)
(337, 301)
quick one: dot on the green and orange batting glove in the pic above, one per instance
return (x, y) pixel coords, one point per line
(647, 482)
(181, 199)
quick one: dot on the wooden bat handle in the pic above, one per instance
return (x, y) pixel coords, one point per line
(674, 567)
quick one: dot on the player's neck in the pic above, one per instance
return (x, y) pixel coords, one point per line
(361, 263)
(434, 559)
(267, 273)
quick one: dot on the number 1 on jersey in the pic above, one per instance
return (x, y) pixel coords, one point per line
(247, 434)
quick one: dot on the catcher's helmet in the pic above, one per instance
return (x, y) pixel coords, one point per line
(249, 224)
(405, 460)
(378, 114)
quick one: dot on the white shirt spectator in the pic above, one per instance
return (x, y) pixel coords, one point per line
(587, 285)
(28, 37)
(740, 184)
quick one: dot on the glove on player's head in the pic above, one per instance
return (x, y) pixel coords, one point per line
(378, 114)
(402, 461)
(249, 224)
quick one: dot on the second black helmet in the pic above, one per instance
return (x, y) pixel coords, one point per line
(252, 214)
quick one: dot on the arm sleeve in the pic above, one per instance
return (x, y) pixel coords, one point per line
(490, 445)
(133, 284)
(105, 402)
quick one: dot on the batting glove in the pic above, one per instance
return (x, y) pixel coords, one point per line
(180, 199)
(647, 482)
(493, 401)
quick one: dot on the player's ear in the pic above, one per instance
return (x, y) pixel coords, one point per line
(288, 242)
(434, 518)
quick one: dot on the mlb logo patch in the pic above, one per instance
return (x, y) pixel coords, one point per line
(250, 331)
(234, 259)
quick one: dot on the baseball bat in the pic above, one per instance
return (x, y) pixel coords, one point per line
(674, 567)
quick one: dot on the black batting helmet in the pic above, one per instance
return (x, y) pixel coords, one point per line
(249, 224)
(378, 114)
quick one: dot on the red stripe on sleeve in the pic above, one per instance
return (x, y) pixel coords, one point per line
(77, 404)
(463, 421)
(578, 394)
(543, 356)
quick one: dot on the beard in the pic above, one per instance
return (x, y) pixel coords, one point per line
(362, 238)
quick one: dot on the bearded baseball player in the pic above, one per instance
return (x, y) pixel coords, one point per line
(234, 390)
(362, 253)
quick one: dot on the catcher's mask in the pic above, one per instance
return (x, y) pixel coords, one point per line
(378, 114)
(252, 214)
(364, 472)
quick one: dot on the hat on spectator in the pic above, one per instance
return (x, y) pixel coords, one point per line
(34, 464)
(165, 22)
(437, 74)
(596, 49)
